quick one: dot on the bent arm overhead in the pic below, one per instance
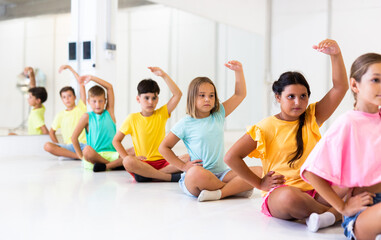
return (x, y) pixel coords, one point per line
(82, 89)
(240, 88)
(109, 92)
(28, 71)
(328, 104)
(175, 90)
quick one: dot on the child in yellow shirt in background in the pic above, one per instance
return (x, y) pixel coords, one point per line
(37, 96)
(147, 129)
(67, 120)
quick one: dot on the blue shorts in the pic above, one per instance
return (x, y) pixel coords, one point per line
(349, 222)
(220, 176)
(70, 147)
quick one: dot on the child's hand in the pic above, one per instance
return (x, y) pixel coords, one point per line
(357, 203)
(189, 164)
(141, 158)
(234, 65)
(28, 71)
(157, 71)
(84, 79)
(63, 67)
(270, 181)
(327, 46)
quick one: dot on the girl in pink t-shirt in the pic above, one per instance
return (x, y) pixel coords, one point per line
(349, 155)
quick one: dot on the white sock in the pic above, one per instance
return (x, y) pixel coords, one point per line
(206, 195)
(316, 221)
(378, 237)
(245, 194)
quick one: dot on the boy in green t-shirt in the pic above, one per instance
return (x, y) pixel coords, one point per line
(67, 120)
(100, 128)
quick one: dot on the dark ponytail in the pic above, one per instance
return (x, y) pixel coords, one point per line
(299, 141)
(290, 78)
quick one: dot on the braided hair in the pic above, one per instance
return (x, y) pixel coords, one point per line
(290, 78)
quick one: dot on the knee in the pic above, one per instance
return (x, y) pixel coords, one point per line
(129, 163)
(87, 154)
(195, 174)
(48, 147)
(289, 199)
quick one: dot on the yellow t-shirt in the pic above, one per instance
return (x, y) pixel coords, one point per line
(276, 144)
(36, 120)
(147, 132)
(67, 121)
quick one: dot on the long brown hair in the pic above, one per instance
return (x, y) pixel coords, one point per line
(290, 78)
(193, 91)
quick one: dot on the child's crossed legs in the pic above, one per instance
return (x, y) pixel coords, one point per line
(198, 179)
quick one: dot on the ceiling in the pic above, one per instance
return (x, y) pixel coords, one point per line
(10, 9)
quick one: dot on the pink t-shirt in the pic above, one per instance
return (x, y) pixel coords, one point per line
(349, 154)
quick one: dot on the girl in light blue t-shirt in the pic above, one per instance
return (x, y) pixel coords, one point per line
(206, 176)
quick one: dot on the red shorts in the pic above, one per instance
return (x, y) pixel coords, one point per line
(265, 207)
(157, 164)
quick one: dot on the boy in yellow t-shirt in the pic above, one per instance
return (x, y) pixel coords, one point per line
(147, 129)
(37, 96)
(67, 120)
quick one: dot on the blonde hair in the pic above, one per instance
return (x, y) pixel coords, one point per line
(193, 91)
(361, 65)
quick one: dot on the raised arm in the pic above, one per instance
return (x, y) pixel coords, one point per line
(82, 123)
(328, 104)
(240, 88)
(349, 208)
(234, 159)
(28, 71)
(109, 91)
(82, 89)
(165, 149)
(175, 90)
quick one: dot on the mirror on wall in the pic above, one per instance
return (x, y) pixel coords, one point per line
(188, 45)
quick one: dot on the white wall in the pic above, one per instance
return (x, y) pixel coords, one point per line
(11, 62)
(298, 24)
(355, 25)
(187, 46)
(248, 15)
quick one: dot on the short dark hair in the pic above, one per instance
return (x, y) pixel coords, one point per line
(39, 93)
(65, 89)
(148, 86)
(96, 91)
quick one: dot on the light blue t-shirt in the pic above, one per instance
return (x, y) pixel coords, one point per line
(204, 139)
